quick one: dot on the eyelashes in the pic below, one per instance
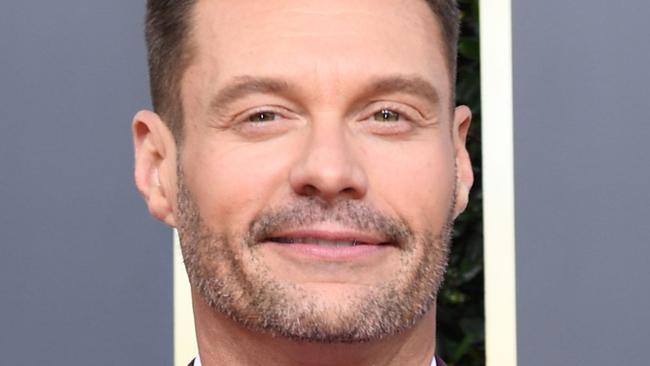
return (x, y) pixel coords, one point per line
(387, 115)
(262, 116)
(380, 113)
(378, 117)
(393, 112)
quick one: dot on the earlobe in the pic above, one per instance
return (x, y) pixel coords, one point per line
(155, 164)
(464, 173)
(462, 198)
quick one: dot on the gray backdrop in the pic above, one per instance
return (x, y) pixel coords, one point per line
(85, 274)
(581, 97)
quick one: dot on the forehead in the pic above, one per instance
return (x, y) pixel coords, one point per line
(317, 41)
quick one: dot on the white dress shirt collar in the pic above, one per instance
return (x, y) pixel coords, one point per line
(197, 361)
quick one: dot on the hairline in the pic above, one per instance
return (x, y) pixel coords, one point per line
(175, 111)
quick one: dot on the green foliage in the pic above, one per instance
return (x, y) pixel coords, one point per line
(461, 321)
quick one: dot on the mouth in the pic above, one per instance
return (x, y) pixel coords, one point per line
(321, 242)
(327, 236)
(329, 244)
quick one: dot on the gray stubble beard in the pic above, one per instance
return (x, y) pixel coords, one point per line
(260, 303)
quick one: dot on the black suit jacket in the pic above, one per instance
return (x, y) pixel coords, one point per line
(438, 361)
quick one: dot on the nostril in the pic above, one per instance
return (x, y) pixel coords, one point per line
(308, 190)
(350, 191)
(328, 174)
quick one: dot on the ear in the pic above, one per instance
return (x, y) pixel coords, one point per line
(464, 174)
(155, 165)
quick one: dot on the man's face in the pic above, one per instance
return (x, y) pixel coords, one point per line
(317, 177)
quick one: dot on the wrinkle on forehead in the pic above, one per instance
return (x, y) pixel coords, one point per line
(321, 42)
(316, 14)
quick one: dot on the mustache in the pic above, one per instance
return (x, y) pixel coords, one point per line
(308, 211)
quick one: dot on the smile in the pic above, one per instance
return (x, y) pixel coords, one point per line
(328, 244)
(327, 235)
(320, 242)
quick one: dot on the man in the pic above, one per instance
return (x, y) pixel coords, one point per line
(311, 157)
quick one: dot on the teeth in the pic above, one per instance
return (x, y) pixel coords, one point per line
(332, 243)
(321, 242)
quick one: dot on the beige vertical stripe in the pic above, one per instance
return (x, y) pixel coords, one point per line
(498, 182)
(185, 348)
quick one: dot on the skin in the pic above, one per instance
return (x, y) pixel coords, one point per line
(324, 142)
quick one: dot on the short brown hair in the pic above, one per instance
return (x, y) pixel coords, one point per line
(169, 52)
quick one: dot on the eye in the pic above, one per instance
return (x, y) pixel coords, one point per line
(264, 121)
(386, 115)
(263, 116)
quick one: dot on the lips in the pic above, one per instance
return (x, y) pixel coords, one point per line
(327, 238)
(328, 243)
(319, 241)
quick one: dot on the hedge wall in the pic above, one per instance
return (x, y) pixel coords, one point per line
(461, 321)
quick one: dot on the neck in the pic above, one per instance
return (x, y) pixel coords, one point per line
(222, 341)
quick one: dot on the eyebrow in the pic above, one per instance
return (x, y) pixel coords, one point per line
(243, 86)
(414, 85)
(246, 85)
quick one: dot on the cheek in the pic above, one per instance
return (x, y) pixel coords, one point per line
(417, 183)
(232, 183)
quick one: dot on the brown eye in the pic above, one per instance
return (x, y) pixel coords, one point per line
(262, 117)
(386, 115)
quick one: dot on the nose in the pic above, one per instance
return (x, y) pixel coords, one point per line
(328, 167)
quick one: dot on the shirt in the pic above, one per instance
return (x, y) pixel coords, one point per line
(197, 361)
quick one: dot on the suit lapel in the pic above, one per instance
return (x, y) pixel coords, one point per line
(440, 362)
